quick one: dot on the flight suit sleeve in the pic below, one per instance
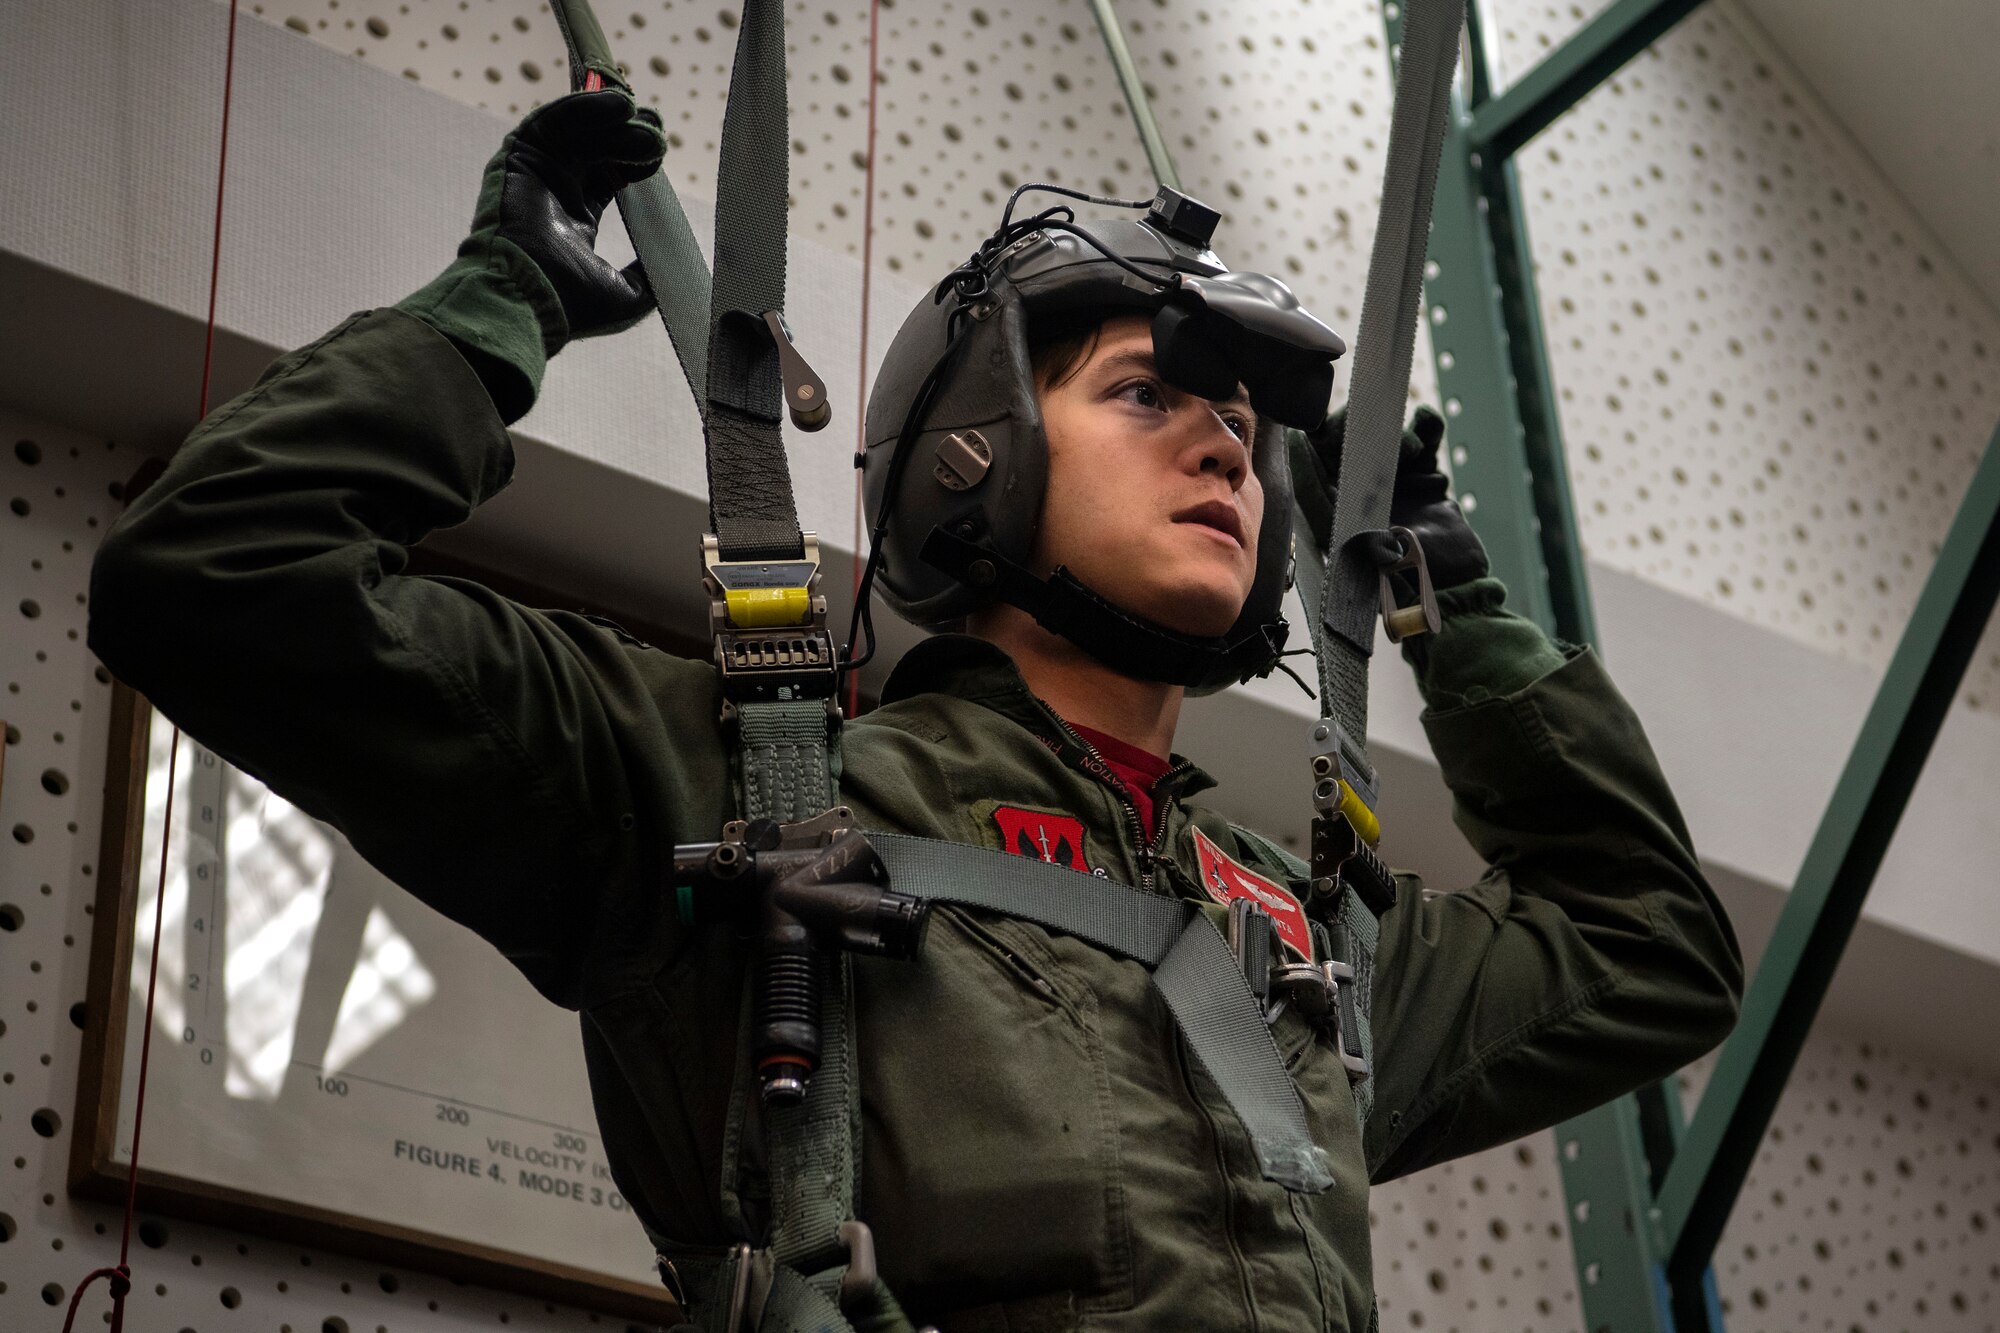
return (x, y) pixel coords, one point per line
(1591, 958)
(510, 767)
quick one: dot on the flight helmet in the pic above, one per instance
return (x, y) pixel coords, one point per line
(956, 462)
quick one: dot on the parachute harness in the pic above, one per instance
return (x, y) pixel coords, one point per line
(817, 887)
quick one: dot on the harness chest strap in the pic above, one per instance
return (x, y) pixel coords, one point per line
(814, 1148)
(1193, 968)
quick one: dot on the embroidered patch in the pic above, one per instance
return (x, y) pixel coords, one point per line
(1227, 880)
(1056, 839)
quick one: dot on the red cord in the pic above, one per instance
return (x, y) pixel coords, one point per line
(221, 171)
(120, 1277)
(861, 374)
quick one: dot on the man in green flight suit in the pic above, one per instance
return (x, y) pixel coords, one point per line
(1040, 1152)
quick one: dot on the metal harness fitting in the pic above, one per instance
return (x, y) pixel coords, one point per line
(768, 622)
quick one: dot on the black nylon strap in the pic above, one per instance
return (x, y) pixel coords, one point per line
(750, 502)
(753, 507)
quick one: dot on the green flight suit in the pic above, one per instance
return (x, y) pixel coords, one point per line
(1038, 1151)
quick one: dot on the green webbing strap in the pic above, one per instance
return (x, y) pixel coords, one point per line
(652, 212)
(798, 1303)
(717, 326)
(1196, 974)
(1343, 622)
(814, 1148)
(1204, 986)
(1127, 922)
(1309, 559)
(675, 272)
(787, 754)
(788, 749)
(1364, 937)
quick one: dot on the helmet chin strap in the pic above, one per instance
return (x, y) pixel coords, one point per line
(1126, 643)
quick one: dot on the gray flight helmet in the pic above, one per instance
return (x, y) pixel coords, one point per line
(955, 467)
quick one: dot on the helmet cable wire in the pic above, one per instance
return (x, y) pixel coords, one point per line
(861, 577)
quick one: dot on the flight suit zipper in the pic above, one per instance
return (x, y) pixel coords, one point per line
(1146, 850)
(1149, 853)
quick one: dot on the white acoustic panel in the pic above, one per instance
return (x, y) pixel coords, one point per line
(1276, 116)
(1774, 384)
(1874, 1202)
(58, 491)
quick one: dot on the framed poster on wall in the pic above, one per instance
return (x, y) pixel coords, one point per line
(331, 1061)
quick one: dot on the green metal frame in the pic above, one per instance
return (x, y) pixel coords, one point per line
(1507, 455)
(1648, 1194)
(1825, 901)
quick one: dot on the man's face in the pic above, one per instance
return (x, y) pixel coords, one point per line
(1151, 501)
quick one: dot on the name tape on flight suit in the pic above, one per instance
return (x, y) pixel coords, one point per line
(1227, 879)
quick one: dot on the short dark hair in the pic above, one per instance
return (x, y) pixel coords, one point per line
(1059, 344)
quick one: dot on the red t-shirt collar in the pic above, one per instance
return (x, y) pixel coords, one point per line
(1137, 770)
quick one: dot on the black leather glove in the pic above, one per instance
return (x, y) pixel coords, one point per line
(1420, 502)
(558, 172)
(528, 277)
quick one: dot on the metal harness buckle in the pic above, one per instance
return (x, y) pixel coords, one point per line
(1341, 981)
(768, 621)
(1344, 782)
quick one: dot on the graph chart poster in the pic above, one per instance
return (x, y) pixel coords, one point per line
(323, 1041)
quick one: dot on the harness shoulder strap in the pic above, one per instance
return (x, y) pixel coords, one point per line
(727, 332)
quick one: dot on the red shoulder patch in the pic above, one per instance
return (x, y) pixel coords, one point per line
(1039, 836)
(1227, 880)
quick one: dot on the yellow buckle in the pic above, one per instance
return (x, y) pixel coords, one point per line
(763, 594)
(763, 608)
(1358, 814)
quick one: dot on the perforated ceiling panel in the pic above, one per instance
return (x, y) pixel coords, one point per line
(1874, 1202)
(1774, 383)
(1275, 116)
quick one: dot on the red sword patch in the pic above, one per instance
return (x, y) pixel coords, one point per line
(1056, 839)
(1227, 880)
